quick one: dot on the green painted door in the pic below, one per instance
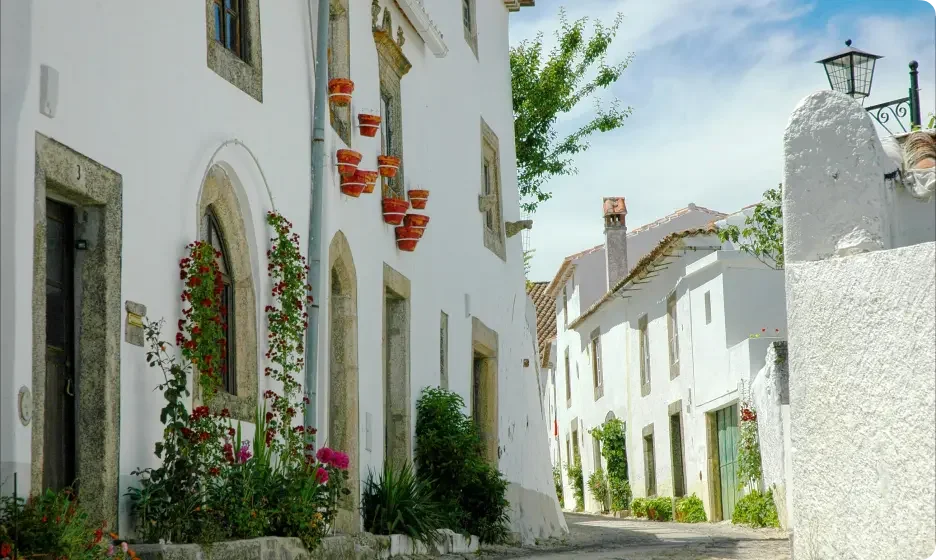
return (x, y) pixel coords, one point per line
(727, 426)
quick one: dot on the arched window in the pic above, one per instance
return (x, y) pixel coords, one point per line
(216, 239)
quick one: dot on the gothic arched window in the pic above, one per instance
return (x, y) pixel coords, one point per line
(216, 239)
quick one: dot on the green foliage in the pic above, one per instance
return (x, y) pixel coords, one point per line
(574, 472)
(660, 508)
(762, 235)
(756, 509)
(614, 450)
(932, 121)
(54, 525)
(689, 509)
(598, 486)
(557, 480)
(546, 87)
(527, 259)
(399, 502)
(639, 507)
(749, 455)
(469, 490)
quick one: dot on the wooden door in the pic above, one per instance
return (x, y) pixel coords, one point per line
(727, 425)
(60, 389)
(676, 453)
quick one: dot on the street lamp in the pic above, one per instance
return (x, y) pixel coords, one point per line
(851, 71)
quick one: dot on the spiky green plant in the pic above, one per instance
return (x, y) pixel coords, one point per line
(399, 502)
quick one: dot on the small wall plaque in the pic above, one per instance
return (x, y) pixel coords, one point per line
(134, 329)
(25, 405)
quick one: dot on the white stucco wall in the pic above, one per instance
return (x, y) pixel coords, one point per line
(155, 113)
(770, 392)
(862, 393)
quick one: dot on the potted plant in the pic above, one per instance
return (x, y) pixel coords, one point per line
(352, 186)
(369, 178)
(394, 210)
(348, 161)
(339, 91)
(388, 165)
(418, 198)
(369, 123)
(406, 238)
(417, 222)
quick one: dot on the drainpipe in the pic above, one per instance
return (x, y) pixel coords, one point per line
(319, 162)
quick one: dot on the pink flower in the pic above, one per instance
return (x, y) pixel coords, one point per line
(324, 455)
(321, 476)
(340, 460)
(124, 546)
(110, 550)
(244, 454)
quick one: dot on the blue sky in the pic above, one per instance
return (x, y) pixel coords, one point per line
(712, 85)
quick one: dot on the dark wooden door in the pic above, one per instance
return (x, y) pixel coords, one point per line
(60, 390)
(676, 453)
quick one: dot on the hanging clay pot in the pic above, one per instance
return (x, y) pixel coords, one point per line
(348, 161)
(394, 210)
(339, 91)
(406, 238)
(418, 198)
(417, 222)
(352, 186)
(388, 165)
(369, 178)
(369, 124)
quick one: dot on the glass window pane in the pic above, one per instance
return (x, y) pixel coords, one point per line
(54, 264)
(229, 23)
(217, 20)
(55, 317)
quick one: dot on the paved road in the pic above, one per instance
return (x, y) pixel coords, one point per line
(603, 538)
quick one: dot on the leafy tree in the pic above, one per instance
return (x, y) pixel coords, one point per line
(545, 89)
(614, 450)
(527, 258)
(762, 235)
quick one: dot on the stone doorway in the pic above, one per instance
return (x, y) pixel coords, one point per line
(343, 374)
(484, 403)
(84, 380)
(396, 327)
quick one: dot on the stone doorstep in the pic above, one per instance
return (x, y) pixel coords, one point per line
(343, 547)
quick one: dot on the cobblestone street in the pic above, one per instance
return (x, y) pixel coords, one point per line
(603, 538)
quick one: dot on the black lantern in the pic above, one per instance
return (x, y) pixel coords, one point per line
(850, 71)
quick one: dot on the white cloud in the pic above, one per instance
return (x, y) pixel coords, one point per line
(712, 86)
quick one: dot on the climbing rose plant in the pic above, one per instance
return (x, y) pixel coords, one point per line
(749, 456)
(288, 320)
(201, 335)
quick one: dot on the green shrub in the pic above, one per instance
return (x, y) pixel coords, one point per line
(620, 493)
(689, 509)
(557, 480)
(639, 507)
(574, 471)
(756, 509)
(399, 502)
(660, 509)
(469, 491)
(598, 486)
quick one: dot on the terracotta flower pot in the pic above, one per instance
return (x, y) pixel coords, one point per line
(369, 178)
(416, 220)
(388, 165)
(352, 186)
(406, 238)
(339, 91)
(348, 161)
(394, 210)
(369, 124)
(418, 198)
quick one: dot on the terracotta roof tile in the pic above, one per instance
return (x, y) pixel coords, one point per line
(545, 306)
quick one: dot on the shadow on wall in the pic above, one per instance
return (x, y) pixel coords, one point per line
(15, 53)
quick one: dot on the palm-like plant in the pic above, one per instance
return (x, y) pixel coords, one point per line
(399, 502)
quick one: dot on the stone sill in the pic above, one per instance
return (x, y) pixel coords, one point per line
(343, 547)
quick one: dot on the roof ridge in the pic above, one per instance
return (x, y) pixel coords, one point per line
(675, 214)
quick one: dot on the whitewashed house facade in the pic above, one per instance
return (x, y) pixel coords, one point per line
(665, 350)
(121, 138)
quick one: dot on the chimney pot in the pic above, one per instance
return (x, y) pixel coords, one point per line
(615, 212)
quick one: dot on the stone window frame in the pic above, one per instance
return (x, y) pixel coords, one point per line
(643, 334)
(672, 332)
(649, 453)
(470, 24)
(597, 374)
(246, 73)
(392, 65)
(91, 188)
(218, 197)
(484, 347)
(707, 300)
(339, 66)
(568, 378)
(491, 205)
(443, 350)
(397, 291)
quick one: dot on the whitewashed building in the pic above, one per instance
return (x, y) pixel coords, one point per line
(665, 350)
(125, 125)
